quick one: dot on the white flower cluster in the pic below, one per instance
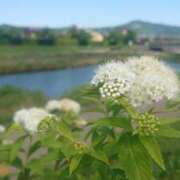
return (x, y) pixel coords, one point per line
(114, 79)
(114, 89)
(52, 105)
(30, 118)
(142, 80)
(65, 105)
(154, 82)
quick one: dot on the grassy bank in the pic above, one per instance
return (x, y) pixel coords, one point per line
(14, 59)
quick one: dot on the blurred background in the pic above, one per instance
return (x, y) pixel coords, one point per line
(50, 49)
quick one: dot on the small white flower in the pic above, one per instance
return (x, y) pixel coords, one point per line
(66, 105)
(52, 105)
(113, 79)
(20, 115)
(112, 71)
(30, 118)
(2, 128)
(81, 123)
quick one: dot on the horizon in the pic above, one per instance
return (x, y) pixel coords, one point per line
(59, 27)
(87, 14)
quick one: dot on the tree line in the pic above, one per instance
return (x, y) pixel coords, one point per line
(73, 36)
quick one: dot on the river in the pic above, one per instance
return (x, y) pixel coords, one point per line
(55, 83)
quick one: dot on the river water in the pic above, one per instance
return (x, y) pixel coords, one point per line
(56, 83)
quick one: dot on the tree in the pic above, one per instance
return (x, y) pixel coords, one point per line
(118, 38)
(130, 36)
(73, 31)
(83, 38)
(46, 37)
(115, 38)
(17, 39)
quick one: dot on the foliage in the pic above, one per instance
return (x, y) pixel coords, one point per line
(83, 38)
(117, 38)
(45, 37)
(106, 148)
(119, 141)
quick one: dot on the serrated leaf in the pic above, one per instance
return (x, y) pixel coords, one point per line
(101, 156)
(169, 132)
(100, 133)
(65, 131)
(67, 148)
(152, 147)
(74, 163)
(120, 122)
(134, 158)
(49, 140)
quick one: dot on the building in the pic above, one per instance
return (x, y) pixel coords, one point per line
(96, 37)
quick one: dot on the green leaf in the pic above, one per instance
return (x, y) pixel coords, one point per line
(67, 148)
(49, 140)
(121, 122)
(14, 132)
(171, 120)
(38, 165)
(96, 138)
(34, 147)
(15, 127)
(173, 104)
(15, 149)
(100, 134)
(4, 153)
(169, 132)
(17, 162)
(152, 147)
(101, 156)
(74, 163)
(65, 131)
(134, 159)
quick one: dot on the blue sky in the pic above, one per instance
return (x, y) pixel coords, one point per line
(88, 13)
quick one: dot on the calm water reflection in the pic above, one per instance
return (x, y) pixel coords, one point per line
(52, 83)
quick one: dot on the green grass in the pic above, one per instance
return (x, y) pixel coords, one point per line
(26, 58)
(13, 99)
(34, 58)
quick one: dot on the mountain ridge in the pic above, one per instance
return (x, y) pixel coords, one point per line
(142, 28)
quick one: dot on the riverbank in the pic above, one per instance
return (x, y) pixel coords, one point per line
(18, 59)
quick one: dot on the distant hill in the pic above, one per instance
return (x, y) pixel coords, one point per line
(147, 29)
(142, 28)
